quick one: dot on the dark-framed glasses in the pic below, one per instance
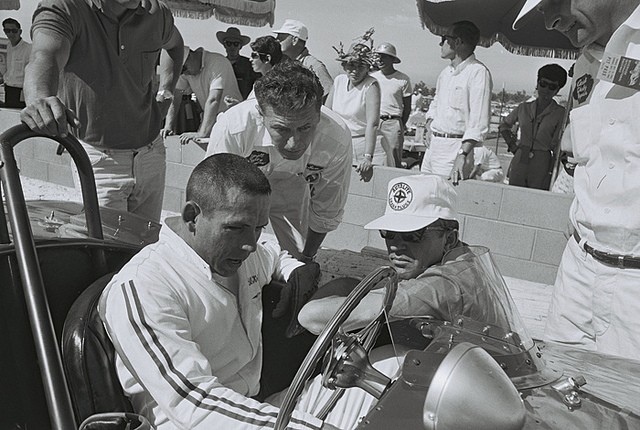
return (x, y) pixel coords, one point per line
(265, 58)
(11, 30)
(446, 37)
(409, 236)
(545, 84)
(231, 43)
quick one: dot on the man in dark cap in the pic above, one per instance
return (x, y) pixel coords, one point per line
(233, 41)
(540, 126)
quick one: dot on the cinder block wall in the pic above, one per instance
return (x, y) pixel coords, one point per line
(522, 227)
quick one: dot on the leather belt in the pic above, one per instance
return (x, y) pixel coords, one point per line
(447, 135)
(615, 260)
(388, 117)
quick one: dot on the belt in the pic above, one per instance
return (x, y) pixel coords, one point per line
(388, 117)
(447, 135)
(619, 261)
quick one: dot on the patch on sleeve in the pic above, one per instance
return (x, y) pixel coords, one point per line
(259, 158)
(583, 87)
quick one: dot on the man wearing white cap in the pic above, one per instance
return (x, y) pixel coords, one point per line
(596, 302)
(210, 76)
(395, 101)
(420, 227)
(458, 117)
(293, 36)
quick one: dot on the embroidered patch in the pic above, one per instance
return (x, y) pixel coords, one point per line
(584, 85)
(400, 196)
(259, 158)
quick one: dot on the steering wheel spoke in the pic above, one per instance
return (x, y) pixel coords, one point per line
(344, 349)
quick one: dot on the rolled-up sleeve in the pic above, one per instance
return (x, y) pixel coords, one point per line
(329, 194)
(479, 105)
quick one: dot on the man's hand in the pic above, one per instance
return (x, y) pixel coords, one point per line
(462, 167)
(365, 169)
(302, 284)
(166, 132)
(49, 116)
(191, 136)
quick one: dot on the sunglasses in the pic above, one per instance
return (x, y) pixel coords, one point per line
(229, 44)
(551, 85)
(445, 37)
(265, 58)
(11, 30)
(409, 236)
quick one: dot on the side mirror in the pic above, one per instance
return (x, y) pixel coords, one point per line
(469, 390)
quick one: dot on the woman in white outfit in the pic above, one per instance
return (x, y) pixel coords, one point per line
(355, 96)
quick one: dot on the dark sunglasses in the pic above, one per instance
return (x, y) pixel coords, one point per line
(265, 58)
(230, 43)
(409, 236)
(445, 37)
(551, 85)
(11, 30)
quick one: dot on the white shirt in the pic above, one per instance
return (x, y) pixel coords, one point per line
(17, 59)
(325, 166)
(393, 88)
(462, 104)
(350, 103)
(189, 352)
(605, 134)
(216, 74)
(486, 159)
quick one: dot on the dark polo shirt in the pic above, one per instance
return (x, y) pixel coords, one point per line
(107, 81)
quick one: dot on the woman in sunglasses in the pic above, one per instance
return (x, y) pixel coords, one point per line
(265, 53)
(541, 122)
(355, 96)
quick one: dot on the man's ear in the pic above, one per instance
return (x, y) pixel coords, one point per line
(294, 40)
(190, 212)
(451, 240)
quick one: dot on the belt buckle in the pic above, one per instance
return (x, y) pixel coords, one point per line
(620, 262)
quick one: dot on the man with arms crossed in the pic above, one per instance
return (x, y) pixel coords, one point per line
(302, 147)
(596, 302)
(18, 52)
(458, 117)
(91, 69)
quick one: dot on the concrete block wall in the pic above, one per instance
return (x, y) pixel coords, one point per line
(522, 227)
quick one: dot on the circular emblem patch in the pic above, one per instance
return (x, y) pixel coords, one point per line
(400, 196)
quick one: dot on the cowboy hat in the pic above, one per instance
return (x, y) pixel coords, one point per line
(232, 33)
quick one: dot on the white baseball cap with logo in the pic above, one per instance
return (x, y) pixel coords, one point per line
(529, 5)
(295, 28)
(414, 202)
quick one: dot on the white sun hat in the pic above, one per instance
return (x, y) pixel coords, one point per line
(414, 202)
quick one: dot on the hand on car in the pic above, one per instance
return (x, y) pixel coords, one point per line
(166, 132)
(49, 116)
(191, 136)
(462, 167)
(365, 169)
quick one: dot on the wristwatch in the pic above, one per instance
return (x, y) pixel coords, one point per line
(463, 152)
(163, 95)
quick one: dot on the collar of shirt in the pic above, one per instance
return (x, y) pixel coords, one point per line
(180, 249)
(99, 4)
(303, 54)
(460, 67)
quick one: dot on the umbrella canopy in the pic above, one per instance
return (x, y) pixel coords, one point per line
(494, 18)
(255, 13)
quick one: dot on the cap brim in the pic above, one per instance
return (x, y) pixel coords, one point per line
(528, 7)
(397, 222)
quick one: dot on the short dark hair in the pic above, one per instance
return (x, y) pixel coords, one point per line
(11, 21)
(289, 86)
(553, 72)
(467, 31)
(216, 176)
(268, 45)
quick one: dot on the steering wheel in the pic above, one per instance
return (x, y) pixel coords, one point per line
(326, 337)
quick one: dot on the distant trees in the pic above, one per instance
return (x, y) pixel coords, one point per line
(508, 97)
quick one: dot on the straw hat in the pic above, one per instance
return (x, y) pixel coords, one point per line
(232, 33)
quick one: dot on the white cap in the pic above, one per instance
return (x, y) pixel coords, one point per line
(529, 5)
(295, 28)
(414, 202)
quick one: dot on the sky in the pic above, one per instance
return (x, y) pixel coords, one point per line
(333, 21)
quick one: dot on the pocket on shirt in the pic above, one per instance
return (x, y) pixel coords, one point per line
(149, 60)
(583, 135)
(457, 97)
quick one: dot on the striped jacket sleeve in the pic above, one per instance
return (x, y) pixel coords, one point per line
(150, 329)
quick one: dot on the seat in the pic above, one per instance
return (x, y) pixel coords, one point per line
(89, 357)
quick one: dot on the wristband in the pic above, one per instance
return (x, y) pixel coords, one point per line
(368, 156)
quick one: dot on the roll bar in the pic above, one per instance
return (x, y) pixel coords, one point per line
(49, 359)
